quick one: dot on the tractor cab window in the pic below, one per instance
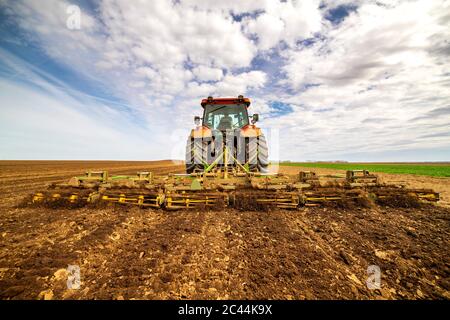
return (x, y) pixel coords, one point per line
(223, 117)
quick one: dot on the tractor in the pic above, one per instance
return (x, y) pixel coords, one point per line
(226, 137)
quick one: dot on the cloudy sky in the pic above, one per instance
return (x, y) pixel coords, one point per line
(351, 80)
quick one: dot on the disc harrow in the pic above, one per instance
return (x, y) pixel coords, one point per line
(231, 189)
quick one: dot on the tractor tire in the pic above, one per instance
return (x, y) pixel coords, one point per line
(258, 154)
(263, 155)
(196, 154)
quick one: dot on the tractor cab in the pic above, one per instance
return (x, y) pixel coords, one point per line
(225, 117)
(225, 113)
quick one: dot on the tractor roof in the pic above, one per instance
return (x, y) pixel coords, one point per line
(222, 101)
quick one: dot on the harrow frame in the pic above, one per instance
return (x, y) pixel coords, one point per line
(226, 187)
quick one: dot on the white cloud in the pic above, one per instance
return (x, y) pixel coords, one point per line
(165, 34)
(43, 126)
(204, 74)
(268, 28)
(235, 6)
(373, 74)
(240, 83)
(123, 40)
(288, 21)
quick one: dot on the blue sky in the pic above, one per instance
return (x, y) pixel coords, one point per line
(331, 80)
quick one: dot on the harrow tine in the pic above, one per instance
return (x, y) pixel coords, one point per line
(141, 200)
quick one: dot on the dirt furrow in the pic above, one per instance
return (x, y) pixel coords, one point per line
(56, 241)
(127, 252)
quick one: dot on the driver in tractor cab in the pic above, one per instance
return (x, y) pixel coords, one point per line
(226, 122)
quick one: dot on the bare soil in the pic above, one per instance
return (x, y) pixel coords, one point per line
(132, 253)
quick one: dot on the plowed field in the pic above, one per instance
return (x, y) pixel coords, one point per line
(125, 253)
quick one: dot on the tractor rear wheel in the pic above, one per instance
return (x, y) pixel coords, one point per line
(263, 155)
(196, 154)
(258, 154)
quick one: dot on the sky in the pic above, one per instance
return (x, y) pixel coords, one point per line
(123, 80)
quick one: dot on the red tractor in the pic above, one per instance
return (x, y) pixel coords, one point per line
(225, 138)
